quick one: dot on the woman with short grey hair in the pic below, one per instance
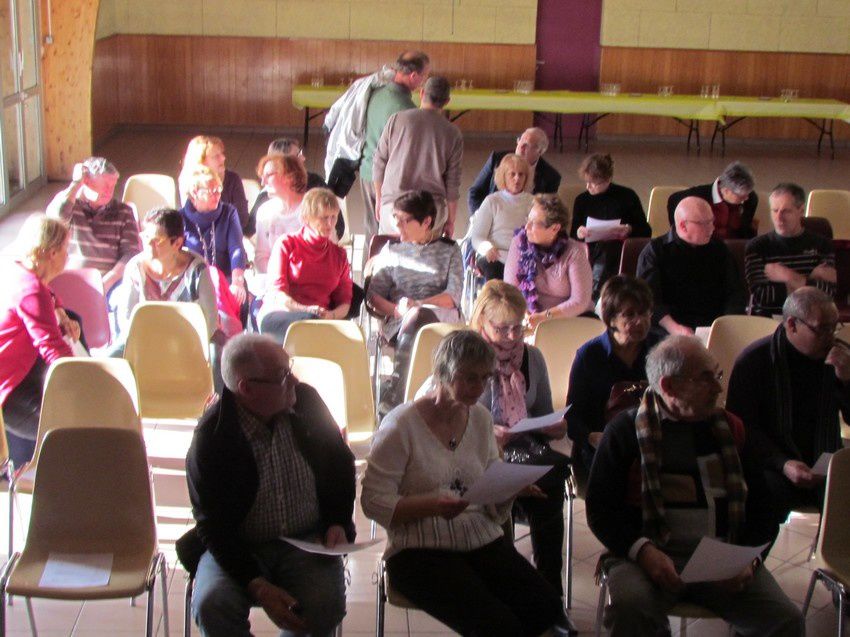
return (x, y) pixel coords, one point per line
(444, 554)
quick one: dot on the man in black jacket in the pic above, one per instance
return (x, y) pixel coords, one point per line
(267, 461)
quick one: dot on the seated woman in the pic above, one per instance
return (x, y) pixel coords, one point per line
(209, 151)
(502, 212)
(285, 181)
(550, 269)
(32, 329)
(520, 389)
(213, 230)
(308, 276)
(616, 358)
(445, 555)
(609, 202)
(416, 281)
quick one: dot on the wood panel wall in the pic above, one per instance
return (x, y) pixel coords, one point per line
(247, 82)
(737, 72)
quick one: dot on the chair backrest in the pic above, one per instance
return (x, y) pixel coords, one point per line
(656, 211)
(168, 349)
(833, 205)
(93, 490)
(632, 247)
(568, 193)
(325, 377)
(818, 225)
(834, 538)
(148, 191)
(422, 358)
(341, 342)
(738, 249)
(82, 291)
(765, 224)
(558, 339)
(730, 335)
(252, 189)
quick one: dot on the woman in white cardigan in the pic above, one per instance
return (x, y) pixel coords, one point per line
(447, 556)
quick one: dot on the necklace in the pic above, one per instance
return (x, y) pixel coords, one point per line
(208, 249)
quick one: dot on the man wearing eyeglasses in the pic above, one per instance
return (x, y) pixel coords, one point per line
(788, 388)
(267, 461)
(692, 274)
(665, 475)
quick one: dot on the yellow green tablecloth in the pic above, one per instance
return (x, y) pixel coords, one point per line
(777, 107)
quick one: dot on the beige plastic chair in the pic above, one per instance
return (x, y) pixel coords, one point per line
(252, 189)
(568, 193)
(148, 191)
(656, 211)
(730, 335)
(558, 339)
(168, 349)
(79, 392)
(833, 549)
(763, 213)
(327, 379)
(341, 342)
(422, 357)
(76, 510)
(833, 205)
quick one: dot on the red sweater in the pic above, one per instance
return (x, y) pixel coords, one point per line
(310, 269)
(28, 326)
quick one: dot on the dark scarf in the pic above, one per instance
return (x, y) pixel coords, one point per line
(530, 255)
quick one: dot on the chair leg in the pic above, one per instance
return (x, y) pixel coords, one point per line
(163, 585)
(31, 616)
(600, 606)
(683, 627)
(568, 572)
(187, 607)
(842, 602)
(381, 599)
(812, 581)
(149, 612)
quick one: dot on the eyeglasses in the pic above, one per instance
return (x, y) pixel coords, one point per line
(506, 330)
(705, 377)
(287, 372)
(821, 330)
(208, 191)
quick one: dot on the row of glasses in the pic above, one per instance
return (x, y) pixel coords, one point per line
(710, 91)
(463, 84)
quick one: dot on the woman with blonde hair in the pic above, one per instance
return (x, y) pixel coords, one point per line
(33, 328)
(502, 212)
(209, 151)
(285, 181)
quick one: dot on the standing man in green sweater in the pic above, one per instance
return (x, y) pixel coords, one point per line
(411, 71)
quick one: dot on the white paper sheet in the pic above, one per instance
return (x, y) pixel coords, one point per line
(502, 481)
(530, 424)
(339, 549)
(822, 465)
(602, 229)
(714, 561)
(702, 333)
(76, 570)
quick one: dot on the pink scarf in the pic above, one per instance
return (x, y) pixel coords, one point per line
(508, 395)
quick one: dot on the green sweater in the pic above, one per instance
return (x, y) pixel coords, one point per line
(383, 103)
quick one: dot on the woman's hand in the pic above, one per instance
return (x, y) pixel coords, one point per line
(449, 507)
(492, 255)
(594, 438)
(534, 319)
(335, 535)
(532, 491)
(239, 292)
(625, 231)
(68, 326)
(556, 431)
(581, 232)
(503, 435)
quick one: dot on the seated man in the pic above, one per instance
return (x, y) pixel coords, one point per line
(267, 461)
(788, 258)
(693, 276)
(531, 146)
(732, 201)
(667, 474)
(104, 232)
(791, 410)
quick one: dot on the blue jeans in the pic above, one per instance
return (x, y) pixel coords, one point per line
(220, 606)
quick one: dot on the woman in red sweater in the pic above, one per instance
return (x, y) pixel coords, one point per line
(308, 275)
(31, 329)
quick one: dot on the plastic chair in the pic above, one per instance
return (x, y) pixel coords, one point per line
(568, 193)
(632, 247)
(149, 191)
(762, 215)
(421, 359)
(818, 225)
(76, 510)
(168, 349)
(833, 205)
(327, 379)
(656, 211)
(252, 189)
(341, 342)
(385, 593)
(730, 335)
(558, 339)
(833, 549)
(79, 392)
(82, 291)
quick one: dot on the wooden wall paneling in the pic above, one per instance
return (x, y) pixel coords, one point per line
(104, 79)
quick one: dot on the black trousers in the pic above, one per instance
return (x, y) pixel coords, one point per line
(492, 591)
(785, 497)
(21, 413)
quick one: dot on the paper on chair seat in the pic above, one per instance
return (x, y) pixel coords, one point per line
(76, 570)
(502, 481)
(714, 561)
(339, 549)
(530, 424)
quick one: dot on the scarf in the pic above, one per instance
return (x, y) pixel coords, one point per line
(508, 385)
(530, 255)
(648, 429)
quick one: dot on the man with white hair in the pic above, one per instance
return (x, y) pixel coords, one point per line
(665, 475)
(267, 461)
(791, 412)
(531, 145)
(692, 274)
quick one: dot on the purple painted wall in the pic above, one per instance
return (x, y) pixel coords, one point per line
(568, 45)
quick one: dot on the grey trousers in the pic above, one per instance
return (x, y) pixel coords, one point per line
(367, 189)
(639, 607)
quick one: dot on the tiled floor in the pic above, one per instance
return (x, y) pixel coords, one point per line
(639, 165)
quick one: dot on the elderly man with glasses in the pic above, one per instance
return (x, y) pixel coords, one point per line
(788, 388)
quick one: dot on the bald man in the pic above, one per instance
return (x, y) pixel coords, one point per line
(692, 274)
